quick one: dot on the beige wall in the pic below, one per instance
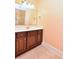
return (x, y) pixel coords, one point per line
(51, 12)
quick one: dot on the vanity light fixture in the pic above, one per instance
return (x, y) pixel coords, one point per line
(24, 6)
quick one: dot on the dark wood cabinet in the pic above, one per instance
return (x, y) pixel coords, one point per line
(20, 42)
(39, 36)
(31, 39)
(27, 40)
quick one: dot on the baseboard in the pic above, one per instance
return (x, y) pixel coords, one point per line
(53, 49)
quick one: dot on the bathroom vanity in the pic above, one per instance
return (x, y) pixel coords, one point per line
(27, 38)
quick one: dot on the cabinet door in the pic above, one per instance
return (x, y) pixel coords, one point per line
(40, 33)
(31, 39)
(20, 43)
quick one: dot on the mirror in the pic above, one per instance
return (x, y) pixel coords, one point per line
(25, 13)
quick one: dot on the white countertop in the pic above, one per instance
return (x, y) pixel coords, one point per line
(21, 28)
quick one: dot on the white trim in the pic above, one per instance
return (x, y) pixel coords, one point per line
(53, 49)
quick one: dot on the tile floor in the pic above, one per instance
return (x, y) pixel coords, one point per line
(39, 52)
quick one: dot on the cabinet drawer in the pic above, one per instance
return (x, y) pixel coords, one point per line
(20, 34)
